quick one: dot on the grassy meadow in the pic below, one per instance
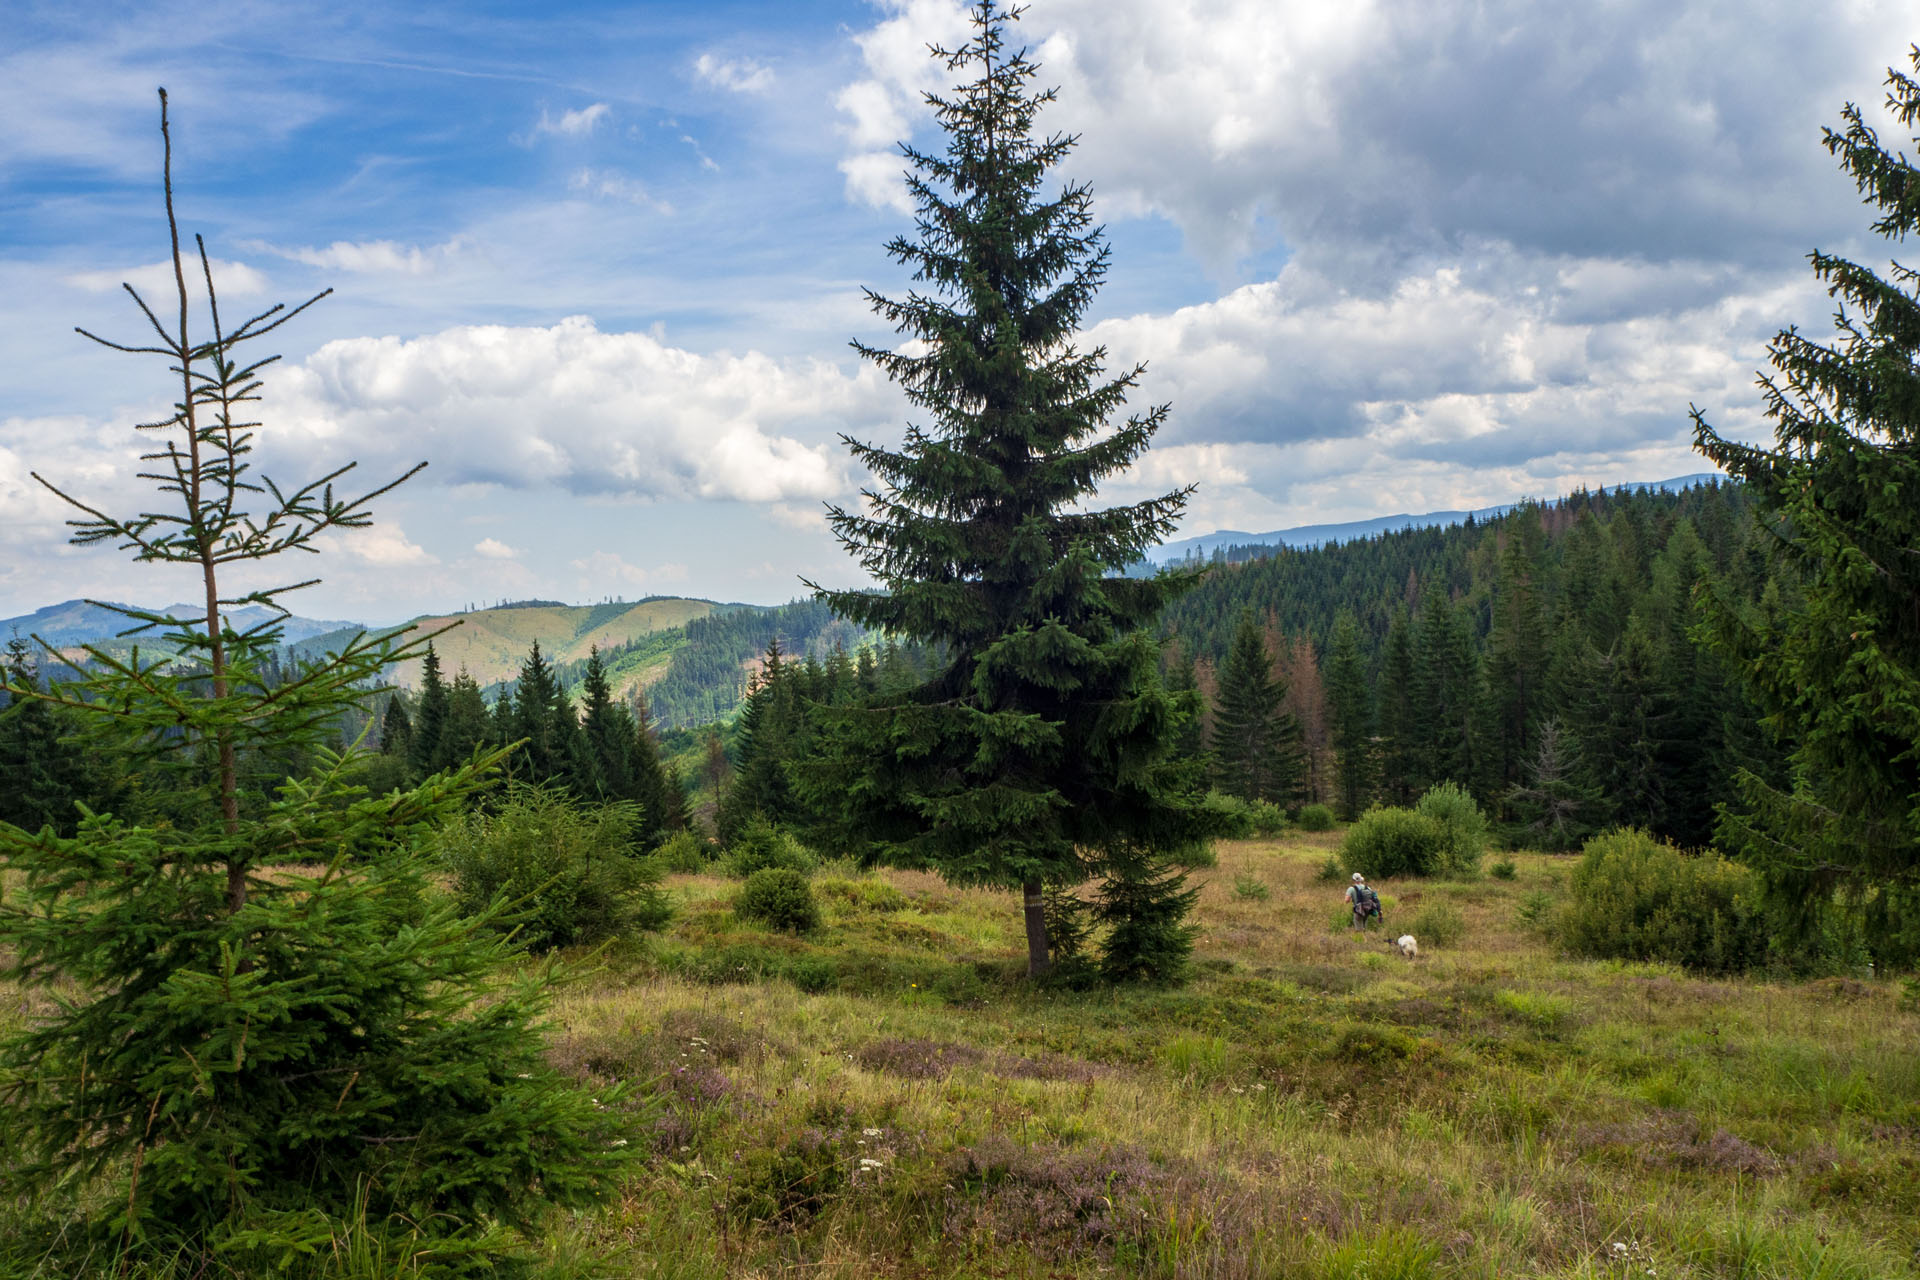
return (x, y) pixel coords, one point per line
(887, 1097)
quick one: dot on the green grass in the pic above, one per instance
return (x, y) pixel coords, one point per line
(889, 1097)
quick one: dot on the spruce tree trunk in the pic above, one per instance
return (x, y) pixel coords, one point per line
(1038, 961)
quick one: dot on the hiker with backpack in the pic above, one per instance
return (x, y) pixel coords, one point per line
(1365, 902)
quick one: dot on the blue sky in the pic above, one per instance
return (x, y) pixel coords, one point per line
(599, 263)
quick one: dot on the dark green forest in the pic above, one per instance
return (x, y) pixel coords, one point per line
(1546, 660)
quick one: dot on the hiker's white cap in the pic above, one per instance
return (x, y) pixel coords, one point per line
(1358, 877)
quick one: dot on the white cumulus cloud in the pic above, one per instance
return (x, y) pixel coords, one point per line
(570, 407)
(494, 549)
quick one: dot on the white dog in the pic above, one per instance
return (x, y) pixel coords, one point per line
(1408, 947)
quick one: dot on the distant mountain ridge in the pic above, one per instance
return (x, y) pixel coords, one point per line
(77, 622)
(1318, 535)
(693, 657)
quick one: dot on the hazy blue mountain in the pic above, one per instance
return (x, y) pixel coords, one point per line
(1317, 535)
(74, 622)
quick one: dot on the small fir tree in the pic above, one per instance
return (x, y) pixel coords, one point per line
(1038, 750)
(1551, 807)
(244, 1057)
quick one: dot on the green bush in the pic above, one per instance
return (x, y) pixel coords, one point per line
(1250, 888)
(685, 854)
(1637, 898)
(1228, 817)
(780, 897)
(1315, 817)
(1393, 842)
(1266, 818)
(1503, 869)
(567, 871)
(1464, 827)
(1439, 923)
(761, 846)
(811, 974)
(1329, 871)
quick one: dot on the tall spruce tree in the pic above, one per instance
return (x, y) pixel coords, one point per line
(1399, 724)
(543, 721)
(769, 734)
(44, 773)
(467, 728)
(1446, 688)
(658, 793)
(396, 730)
(1038, 751)
(1839, 490)
(606, 727)
(1257, 753)
(426, 752)
(1350, 702)
(1516, 658)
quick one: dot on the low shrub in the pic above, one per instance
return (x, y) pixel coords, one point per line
(1315, 817)
(1374, 1045)
(811, 974)
(1503, 869)
(1439, 923)
(1266, 818)
(780, 897)
(1393, 842)
(761, 845)
(1637, 898)
(786, 1183)
(1228, 817)
(684, 854)
(858, 896)
(1251, 888)
(1329, 871)
(1464, 829)
(567, 870)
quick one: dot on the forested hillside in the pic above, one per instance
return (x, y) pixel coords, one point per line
(698, 672)
(1544, 655)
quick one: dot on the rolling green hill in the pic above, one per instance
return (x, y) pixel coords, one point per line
(492, 643)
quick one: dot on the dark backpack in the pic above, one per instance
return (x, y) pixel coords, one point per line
(1367, 900)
